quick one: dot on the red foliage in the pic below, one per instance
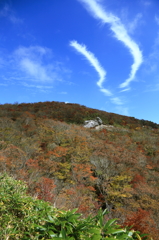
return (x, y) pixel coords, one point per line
(83, 173)
(137, 180)
(60, 151)
(32, 164)
(141, 221)
(45, 189)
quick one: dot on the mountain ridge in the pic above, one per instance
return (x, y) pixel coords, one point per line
(72, 113)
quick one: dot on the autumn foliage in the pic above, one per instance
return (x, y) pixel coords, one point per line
(46, 145)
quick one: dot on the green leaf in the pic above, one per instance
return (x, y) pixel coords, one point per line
(105, 212)
(115, 231)
(112, 238)
(95, 237)
(94, 230)
(74, 210)
(51, 219)
(52, 234)
(109, 223)
(63, 232)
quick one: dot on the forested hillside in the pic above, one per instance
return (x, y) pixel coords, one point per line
(70, 166)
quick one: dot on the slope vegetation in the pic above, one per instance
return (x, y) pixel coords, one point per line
(46, 145)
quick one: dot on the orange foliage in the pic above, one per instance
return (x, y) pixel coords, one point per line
(149, 166)
(137, 180)
(60, 151)
(83, 172)
(142, 221)
(31, 163)
(44, 189)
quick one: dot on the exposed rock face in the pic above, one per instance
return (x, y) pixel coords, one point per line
(111, 128)
(98, 125)
(108, 127)
(92, 123)
(99, 120)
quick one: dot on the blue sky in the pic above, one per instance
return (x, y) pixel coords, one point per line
(99, 53)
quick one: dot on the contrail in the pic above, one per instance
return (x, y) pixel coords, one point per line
(81, 48)
(120, 33)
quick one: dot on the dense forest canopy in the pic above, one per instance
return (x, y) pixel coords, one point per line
(46, 145)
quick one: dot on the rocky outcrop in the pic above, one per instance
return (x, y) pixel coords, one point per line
(108, 127)
(111, 128)
(98, 125)
(93, 123)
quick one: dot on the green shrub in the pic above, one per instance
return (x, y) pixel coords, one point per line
(19, 212)
(23, 217)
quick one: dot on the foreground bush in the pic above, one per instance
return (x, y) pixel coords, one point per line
(23, 217)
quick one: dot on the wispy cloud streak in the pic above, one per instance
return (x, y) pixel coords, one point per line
(157, 19)
(94, 63)
(120, 33)
(116, 101)
(97, 66)
(7, 12)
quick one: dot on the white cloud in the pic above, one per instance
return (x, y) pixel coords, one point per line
(131, 26)
(33, 67)
(96, 65)
(63, 93)
(152, 87)
(106, 92)
(146, 3)
(116, 101)
(32, 61)
(125, 90)
(122, 110)
(157, 19)
(151, 63)
(8, 13)
(156, 87)
(37, 86)
(35, 70)
(32, 51)
(120, 33)
(2, 62)
(91, 59)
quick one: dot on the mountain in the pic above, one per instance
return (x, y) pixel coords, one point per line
(69, 113)
(46, 145)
